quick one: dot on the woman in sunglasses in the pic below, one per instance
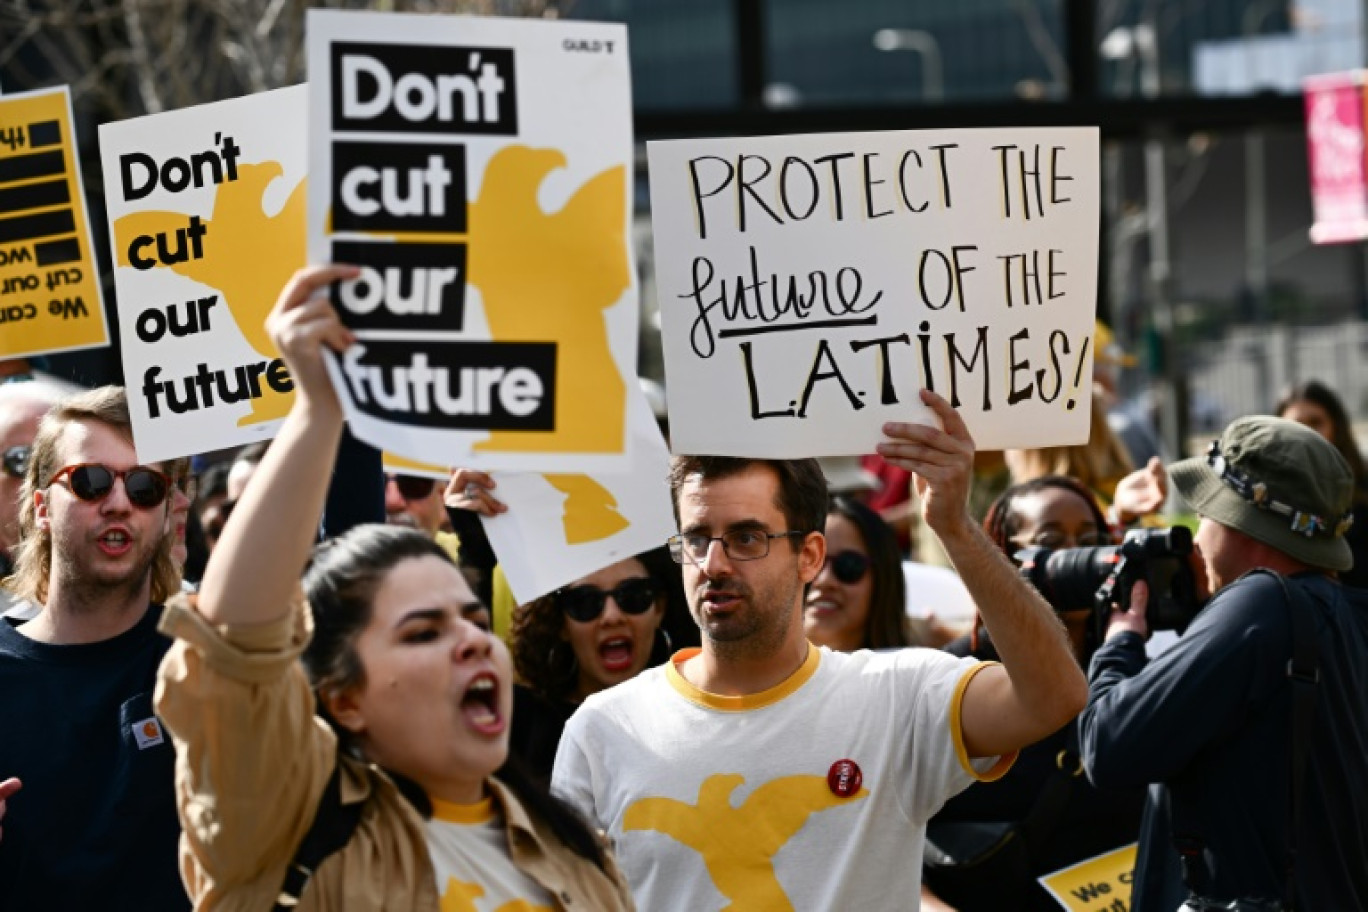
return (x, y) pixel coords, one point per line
(598, 631)
(858, 600)
(1057, 817)
(1053, 512)
(400, 797)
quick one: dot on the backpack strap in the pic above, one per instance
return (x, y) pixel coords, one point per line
(1047, 812)
(1304, 673)
(332, 828)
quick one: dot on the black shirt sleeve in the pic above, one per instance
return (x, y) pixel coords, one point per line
(356, 492)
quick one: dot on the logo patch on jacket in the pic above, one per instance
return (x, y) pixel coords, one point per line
(148, 733)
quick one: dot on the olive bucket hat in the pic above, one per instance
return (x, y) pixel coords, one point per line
(1278, 482)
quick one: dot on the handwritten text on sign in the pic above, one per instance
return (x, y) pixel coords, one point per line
(810, 285)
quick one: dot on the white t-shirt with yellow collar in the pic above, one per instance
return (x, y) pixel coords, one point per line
(469, 849)
(812, 795)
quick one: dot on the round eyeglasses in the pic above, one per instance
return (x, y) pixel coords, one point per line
(91, 482)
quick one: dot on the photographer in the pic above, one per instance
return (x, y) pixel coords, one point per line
(1054, 816)
(1254, 724)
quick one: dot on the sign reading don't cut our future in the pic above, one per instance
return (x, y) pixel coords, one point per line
(206, 223)
(477, 171)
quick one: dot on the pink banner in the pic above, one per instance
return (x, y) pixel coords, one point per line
(1335, 137)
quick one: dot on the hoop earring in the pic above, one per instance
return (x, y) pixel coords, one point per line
(669, 644)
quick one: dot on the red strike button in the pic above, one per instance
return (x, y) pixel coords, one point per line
(844, 778)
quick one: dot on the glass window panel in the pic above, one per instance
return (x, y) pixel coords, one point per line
(935, 51)
(1219, 48)
(683, 51)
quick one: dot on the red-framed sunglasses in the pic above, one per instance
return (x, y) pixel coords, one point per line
(91, 482)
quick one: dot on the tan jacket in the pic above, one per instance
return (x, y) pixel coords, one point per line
(252, 761)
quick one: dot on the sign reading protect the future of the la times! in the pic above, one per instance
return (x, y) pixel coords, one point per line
(49, 282)
(479, 171)
(810, 286)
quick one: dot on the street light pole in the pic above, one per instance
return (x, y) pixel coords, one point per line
(1146, 44)
(1256, 210)
(927, 47)
(1141, 43)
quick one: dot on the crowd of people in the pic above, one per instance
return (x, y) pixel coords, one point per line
(287, 679)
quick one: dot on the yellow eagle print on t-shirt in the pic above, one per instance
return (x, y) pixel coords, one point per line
(738, 844)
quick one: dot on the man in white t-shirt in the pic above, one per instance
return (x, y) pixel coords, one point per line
(761, 773)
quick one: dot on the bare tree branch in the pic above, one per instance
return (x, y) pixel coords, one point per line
(123, 58)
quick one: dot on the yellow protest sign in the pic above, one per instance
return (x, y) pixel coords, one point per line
(478, 173)
(49, 282)
(1100, 884)
(206, 223)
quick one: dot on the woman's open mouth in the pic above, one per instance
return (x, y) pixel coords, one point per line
(480, 705)
(822, 607)
(616, 653)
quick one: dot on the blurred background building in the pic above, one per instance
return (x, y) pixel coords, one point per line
(1208, 273)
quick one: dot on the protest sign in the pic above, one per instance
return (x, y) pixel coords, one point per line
(809, 286)
(1099, 884)
(478, 170)
(398, 465)
(563, 526)
(560, 527)
(206, 219)
(49, 281)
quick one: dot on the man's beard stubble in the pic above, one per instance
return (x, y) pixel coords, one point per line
(88, 590)
(762, 627)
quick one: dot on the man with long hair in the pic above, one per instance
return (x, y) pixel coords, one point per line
(23, 404)
(95, 824)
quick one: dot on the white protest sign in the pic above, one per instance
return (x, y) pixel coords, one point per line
(810, 286)
(49, 281)
(479, 170)
(560, 527)
(206, 221)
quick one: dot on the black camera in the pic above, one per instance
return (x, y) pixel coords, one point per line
(1077, 578)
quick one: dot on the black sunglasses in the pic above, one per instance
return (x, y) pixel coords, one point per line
(414, 487)
(16, 460)
(585, 603)
(146, 488)
(848, 567)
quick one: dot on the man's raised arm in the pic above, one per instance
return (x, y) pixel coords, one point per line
(1039, 686)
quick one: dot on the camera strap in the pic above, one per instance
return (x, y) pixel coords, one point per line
(1303, 674)
(1048, 811)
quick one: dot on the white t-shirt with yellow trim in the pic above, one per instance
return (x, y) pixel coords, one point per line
(469, 849)
(812, 795)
